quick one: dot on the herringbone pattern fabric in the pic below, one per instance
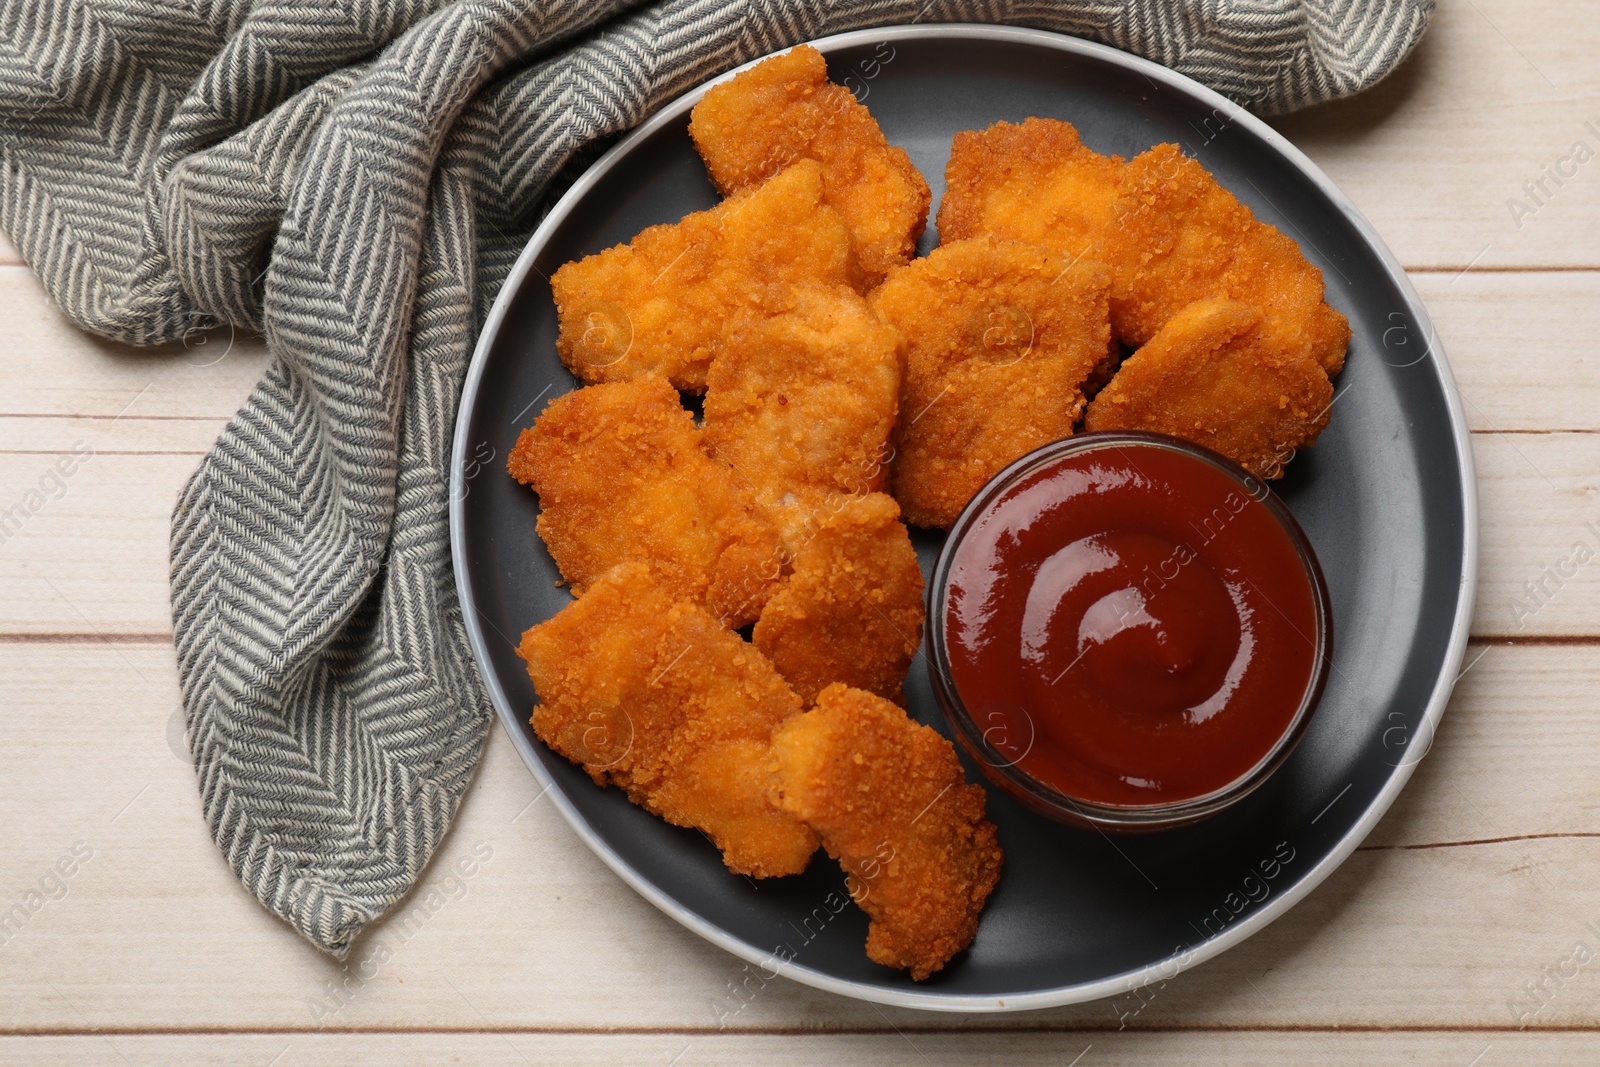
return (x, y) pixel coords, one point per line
(354, 178)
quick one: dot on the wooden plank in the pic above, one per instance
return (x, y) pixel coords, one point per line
(1489, 100)
(54, 368)
(1518, 715)
(1517, 343)
(908, 1048)
(1435, 154)
(83, 541)
(1522, 346)
(1539, 571)
(153, 930)
(1511, 377)
(90, 552)
(51, 435)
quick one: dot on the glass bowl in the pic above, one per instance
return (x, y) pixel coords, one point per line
(993, 742)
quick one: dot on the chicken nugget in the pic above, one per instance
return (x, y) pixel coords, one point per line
(660, 303)
(852, 609)
(1196, 240)
(1001, 338)
(1031, 181)
(649, 692)
(801, 404)
(621, 474)
(1169, 232)
(1213, 376)
(783, 109)
(975, 419)
(892, 806)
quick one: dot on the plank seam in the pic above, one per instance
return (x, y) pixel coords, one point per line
(807, 1031)
(1529, 432)
(1457, 268)
(77, 638)
(1559, 640)
(107, 452)
(1432, 268)
(1576, 835)
(124, 417)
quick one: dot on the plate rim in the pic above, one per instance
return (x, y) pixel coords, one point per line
(1078, 992)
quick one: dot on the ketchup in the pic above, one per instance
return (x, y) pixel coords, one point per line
(1129, 625)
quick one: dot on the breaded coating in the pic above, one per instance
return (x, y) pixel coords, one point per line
(801, 404)
(659, 303)
(1196, 240)
(1001, 338)
(975, 419)
(1170, 234)
(851, 611)
(783, 109)
(621, 475)
(648, 691)
(892, 806)
(1031, 181)
(1212, 377)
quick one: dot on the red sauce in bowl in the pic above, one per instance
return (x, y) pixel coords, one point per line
(1131, 623)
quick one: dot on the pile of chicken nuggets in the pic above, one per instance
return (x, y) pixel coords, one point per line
(748, 601)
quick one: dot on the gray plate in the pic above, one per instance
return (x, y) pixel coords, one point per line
(1387, 498)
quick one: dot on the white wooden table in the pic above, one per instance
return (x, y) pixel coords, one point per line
(1423, 947)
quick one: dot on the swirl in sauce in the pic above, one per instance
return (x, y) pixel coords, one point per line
(1135, 625)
